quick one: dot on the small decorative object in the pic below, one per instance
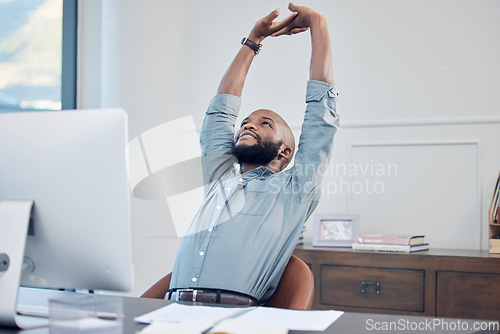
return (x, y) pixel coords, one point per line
(82, 314)
(494, 219)
(335, 230)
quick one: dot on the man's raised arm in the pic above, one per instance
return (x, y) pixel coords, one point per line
(321, 120)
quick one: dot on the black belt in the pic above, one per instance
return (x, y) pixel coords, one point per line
(211, 296)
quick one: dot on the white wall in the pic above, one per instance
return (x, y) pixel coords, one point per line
(417, 80)
(131, 55)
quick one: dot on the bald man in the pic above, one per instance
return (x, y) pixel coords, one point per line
(245, 232)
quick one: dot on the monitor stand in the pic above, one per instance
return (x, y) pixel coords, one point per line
(14, 223)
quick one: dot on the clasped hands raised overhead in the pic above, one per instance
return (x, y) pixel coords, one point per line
(300, 20)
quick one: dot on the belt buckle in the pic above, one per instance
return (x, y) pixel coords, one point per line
(178, 292)
(194, 291)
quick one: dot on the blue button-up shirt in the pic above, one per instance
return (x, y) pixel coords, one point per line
(248, 226)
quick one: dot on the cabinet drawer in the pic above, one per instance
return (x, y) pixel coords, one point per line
(391, 289)
(468, 295)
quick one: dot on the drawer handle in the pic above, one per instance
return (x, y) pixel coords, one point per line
(370, 287)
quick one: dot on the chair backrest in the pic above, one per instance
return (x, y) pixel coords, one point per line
(159, 289)
(296, 287)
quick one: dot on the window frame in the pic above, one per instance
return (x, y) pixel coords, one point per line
(69, 54)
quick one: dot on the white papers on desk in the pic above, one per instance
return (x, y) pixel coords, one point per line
(189, 314)
(292, 319)
(280, 318)
(229, 326)
(238, 326)
(158, 327)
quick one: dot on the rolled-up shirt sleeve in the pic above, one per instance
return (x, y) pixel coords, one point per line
(217, 136)
(321, 122)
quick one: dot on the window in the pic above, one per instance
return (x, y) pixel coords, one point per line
(38, 54)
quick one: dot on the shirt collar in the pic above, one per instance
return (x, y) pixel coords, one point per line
(261, 172)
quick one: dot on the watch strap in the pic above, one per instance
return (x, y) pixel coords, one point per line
(252, 45)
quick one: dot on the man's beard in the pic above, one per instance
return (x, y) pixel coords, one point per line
(261, 153)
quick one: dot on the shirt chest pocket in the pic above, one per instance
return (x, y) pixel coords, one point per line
(258, 198)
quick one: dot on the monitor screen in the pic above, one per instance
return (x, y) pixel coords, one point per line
(73, 166)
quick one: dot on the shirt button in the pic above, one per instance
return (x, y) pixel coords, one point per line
(210, 229)
(201, 253)
(241, 180)
(228, 188)
(218, 207)
(193, 279)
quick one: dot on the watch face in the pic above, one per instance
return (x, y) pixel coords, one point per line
(335, 230)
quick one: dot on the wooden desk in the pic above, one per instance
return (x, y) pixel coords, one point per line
(442, 283)
(348, 323)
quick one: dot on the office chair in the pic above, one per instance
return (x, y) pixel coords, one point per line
(159, 289)
(295, 289)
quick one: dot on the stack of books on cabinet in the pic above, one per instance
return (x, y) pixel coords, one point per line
(391, 243)
(493, 217)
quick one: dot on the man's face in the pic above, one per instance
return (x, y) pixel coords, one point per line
(259, 139)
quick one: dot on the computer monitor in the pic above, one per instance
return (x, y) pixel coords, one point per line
(73, 166)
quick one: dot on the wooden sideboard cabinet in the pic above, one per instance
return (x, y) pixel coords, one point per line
(438, 282)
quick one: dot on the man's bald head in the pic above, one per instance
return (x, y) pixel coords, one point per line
(287, 135)
(268, 130)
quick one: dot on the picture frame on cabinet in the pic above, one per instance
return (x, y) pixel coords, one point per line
(335, 230)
